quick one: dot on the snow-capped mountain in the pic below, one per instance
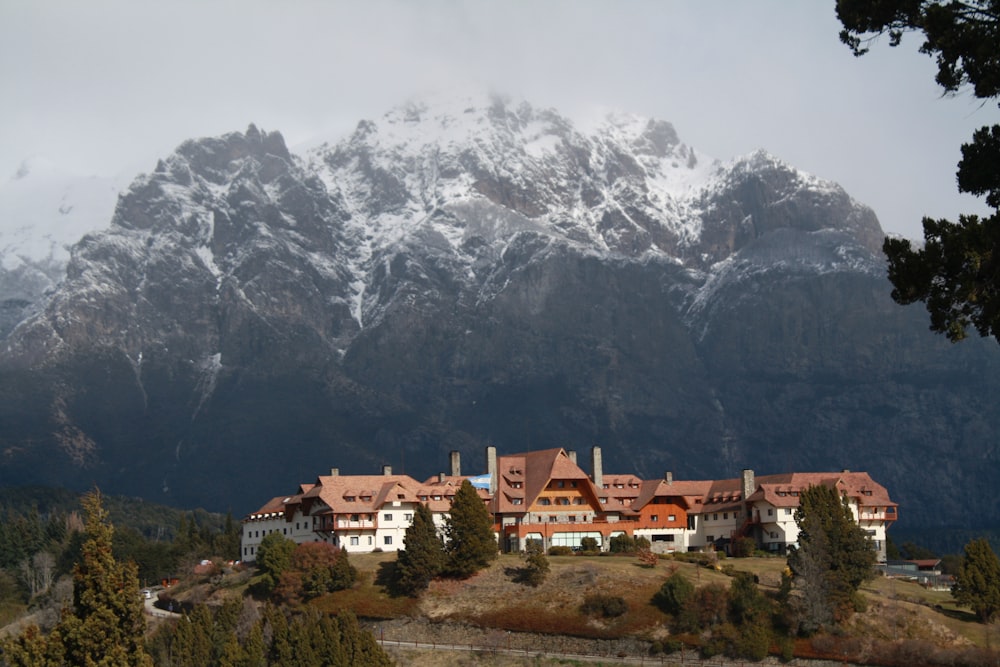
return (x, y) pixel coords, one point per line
(43, 211)
(468, 272)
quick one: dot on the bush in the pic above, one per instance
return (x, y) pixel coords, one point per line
(588, 544)
(673, 594)
(744, 547)
(536, 567)
(608, 606)
(560, 551)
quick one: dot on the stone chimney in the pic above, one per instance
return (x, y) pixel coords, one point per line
(334, 472)
(749, 486)
(441, 477)
(491, 468)
(456, 463)
(668, 477)
(387, 471)
(571, 453)
(598, 466)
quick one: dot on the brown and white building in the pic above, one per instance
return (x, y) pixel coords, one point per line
(545, 495)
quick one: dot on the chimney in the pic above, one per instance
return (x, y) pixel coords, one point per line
(387, 471)
(334, 472)
(748, 483)
(598, 466)
(571, 453)
(668, 477)
(441, 477)
(491, 468)
(456, 463)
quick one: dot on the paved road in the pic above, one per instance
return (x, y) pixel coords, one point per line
(159, 613)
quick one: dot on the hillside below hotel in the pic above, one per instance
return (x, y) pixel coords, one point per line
(545, 495)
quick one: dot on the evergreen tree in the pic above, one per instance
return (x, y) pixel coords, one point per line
(957, 271)
(674, 594)
(107, 625)
(274, 556)
(255, 648)
(471, 544)
(977, 583)
(834, 556)
(536, 566)
(422, 559)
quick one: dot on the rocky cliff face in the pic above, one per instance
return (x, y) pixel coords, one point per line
(486, 273)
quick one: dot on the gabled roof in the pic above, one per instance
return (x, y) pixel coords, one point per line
(688, 493)
(783, 490)
(533, 471)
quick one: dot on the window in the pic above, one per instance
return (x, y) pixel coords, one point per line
(788, 510)
(407, 517)
(715, 517)
(388, 539)
(710, 538)
(725, 515)
(654, 518)
(369, 540)
(284, 531)
(770, 512)
(245, 551)
(561, 484)
(671, 517)
(354, 541)
(387, 516)
(552, 519)
(573, 518)
(354, 517)
(544, 501)
(516, 501)
(251, 551)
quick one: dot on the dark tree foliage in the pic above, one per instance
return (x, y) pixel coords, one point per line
(315, 569)
(302, 640)
(957, 272)
(977, 583)
(105, 625)
(274, 556)
(471, 544)
(536, 564)
(833, 559)
(422, 559)
(673, 594)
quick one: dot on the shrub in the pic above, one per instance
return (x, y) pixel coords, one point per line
(608, 606)
(560, 551)
(647, 558)
(536, 565)
(744, 547)
(673, 594)
(588, 544)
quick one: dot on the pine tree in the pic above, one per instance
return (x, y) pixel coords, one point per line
(471, 543)
(977, 583)
(107, 625)
(422, 559)
(834, 556)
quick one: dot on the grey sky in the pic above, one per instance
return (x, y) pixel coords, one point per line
(107, 86)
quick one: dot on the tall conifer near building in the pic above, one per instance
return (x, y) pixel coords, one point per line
(422, 558)
(977, 583)
(106, 626)
(833, 559)
(471, 544)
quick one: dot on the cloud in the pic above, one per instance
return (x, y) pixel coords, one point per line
(111, 85)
